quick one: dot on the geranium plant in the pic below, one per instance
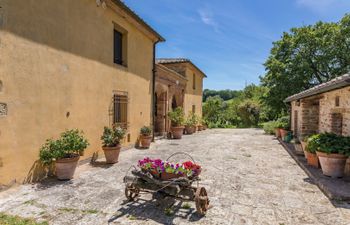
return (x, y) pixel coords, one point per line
(157, 166)
(112, 136)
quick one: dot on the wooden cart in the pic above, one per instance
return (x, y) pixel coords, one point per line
(181, 188)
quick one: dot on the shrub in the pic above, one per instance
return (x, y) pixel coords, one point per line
(192, 119)
(283, 123)
(146, 131)
(70, 143)
(177, 117)
(329, 143)
(269, 127)
(111, 137)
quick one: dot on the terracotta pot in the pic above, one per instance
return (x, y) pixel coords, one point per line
(312, 159)
(277, 133)
(65, 167)
(168, 176)
(112, 154)
(298, 149)
(177, 132)
(200, 127)
(190, 129)
(333, 165)
(303, 145)
(145, 141)
(284, 133)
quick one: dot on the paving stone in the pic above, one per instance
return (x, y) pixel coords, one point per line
(249, 176)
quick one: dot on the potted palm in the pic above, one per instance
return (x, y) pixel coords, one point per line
(177, 120)
(145, 137)
(311, 148)
(332, 151)
(64, 152)
(111, 138)
(190, 123)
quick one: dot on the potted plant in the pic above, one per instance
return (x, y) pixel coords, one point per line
(111, 138)
(284, 126)
(64, 152)
(332, 151)
(277, 127)
(304, 144)
(311, 148)
(190, 123)
(177, 120)
(297, 146)
(145, 137)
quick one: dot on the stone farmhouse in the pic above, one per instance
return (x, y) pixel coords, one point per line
(81, 64)
(323, 108)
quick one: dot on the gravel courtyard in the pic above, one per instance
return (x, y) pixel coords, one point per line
(249, 177)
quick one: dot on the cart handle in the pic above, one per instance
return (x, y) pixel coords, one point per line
(181, 153)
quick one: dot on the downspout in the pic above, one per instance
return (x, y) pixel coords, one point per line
(154, 89)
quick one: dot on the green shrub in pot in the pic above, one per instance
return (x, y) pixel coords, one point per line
(177, 118)
(65, 152)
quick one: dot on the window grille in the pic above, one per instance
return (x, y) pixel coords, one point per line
(119, 109)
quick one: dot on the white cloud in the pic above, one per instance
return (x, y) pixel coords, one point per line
(322, 6)
(207, 18)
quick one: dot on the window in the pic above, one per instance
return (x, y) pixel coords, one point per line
(120, 110)
(118, 47)
(194, 82)
(337, 101)
(194, 108)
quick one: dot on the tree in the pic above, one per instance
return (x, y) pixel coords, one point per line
(303, 58)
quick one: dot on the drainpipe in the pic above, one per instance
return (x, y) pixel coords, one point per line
(154, 88)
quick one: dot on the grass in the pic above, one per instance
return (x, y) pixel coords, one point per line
(169, 212)
(131, 217)
(186, 206)
(16, 220)
(70, 210)
(29, 202)
(90, 211)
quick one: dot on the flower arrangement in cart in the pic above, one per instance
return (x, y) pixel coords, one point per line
(167, 170)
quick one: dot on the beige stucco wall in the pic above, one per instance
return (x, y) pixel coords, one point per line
(193, 96)
(57, 57)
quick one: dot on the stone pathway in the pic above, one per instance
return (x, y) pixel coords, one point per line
(250, 179)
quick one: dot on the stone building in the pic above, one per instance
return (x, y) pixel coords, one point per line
(323, 108)
(178, 83)
(70, 64)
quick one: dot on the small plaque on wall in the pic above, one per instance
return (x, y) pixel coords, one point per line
(3, 109)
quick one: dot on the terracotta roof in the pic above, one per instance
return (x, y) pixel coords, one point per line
(336, 83)
(137, 18)
(178, 60)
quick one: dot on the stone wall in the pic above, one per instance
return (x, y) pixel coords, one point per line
(335, 118)
(327, 112)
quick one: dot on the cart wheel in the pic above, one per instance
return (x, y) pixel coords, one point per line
(202, 201)
(131, 192)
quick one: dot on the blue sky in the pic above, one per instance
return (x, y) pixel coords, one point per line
(230, 39)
